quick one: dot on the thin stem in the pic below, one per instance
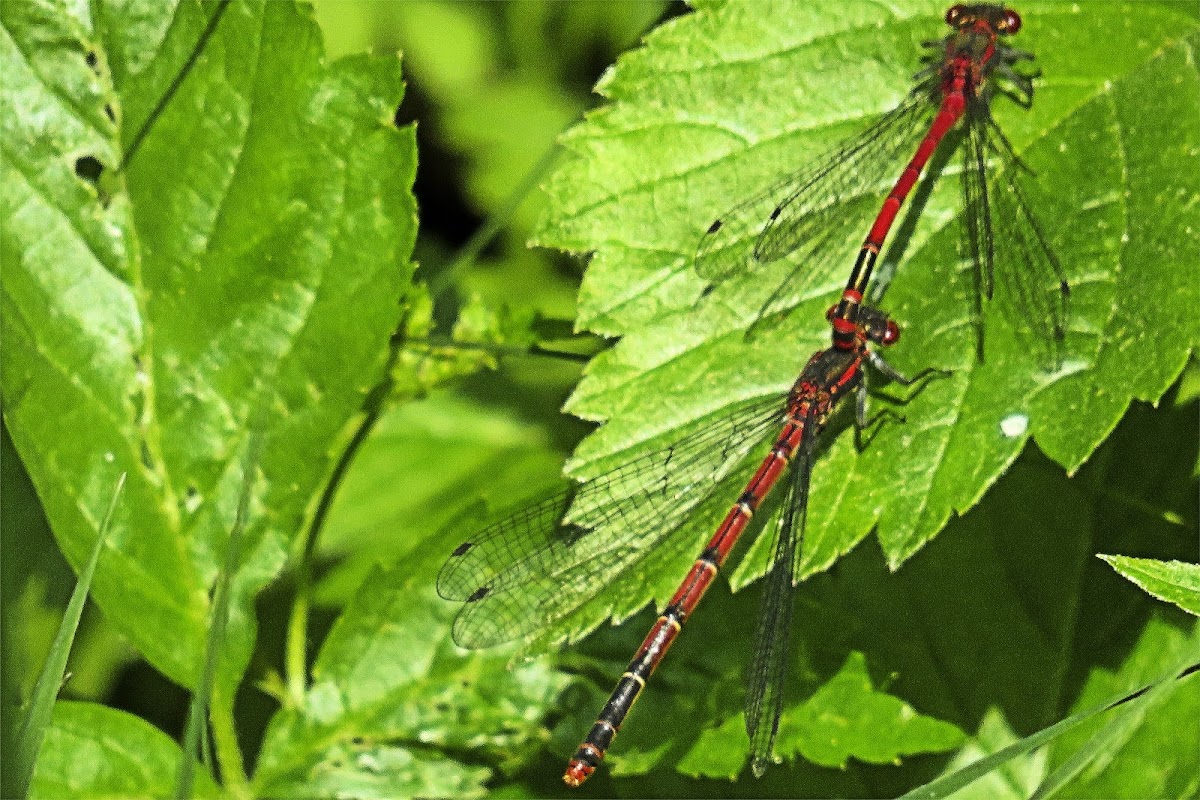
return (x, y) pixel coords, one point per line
(296, 648)
(483, 236)
(229, 755)
(535, 349)
(296, 655)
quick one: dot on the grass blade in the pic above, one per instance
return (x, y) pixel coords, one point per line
(45, 692)
(1105, 741)
(198, 709)
(949, 784)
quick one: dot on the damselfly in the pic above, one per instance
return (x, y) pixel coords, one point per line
(542, 565)
(802, 214)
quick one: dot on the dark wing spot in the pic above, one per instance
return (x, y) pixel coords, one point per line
(108, 112)
(778, 210)
(91, 59)
(570, 534)
(462, 548)
(89, 168)
(478, 594)
(716, 226)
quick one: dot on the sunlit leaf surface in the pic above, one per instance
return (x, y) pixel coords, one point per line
(718, 103)
(206, 228)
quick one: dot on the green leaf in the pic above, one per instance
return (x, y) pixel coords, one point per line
(1016, 779)
(392, 500)
(245, 245)
(94, 751)
(1011, 590)
(846, 718)
(718, 103)
(1114, 713)
(504, 79)
(1146, 748)
(482, 336)
(395, 709)
(1173, 581)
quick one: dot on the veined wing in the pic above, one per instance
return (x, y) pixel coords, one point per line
(521, 575)
(766, 678)
(1029, 277)
(827, 200)
(1014, 261)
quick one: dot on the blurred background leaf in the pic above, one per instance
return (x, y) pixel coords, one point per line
(95, 751)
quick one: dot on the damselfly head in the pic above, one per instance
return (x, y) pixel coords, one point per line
(998, 18)
(877, 326)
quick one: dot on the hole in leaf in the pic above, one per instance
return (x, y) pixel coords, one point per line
(89, 169)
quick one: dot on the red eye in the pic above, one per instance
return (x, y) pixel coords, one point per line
(953, 13)
(1012, 21)
(892, 334)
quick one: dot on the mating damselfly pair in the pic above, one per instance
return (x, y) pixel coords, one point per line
(531, 570)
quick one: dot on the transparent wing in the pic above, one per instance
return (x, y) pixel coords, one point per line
(1014, 260)
(767, 677)
(1029, 277)
(822, 203)
(977, 226)
(521, 575)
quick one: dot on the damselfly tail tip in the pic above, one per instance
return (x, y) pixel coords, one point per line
(577, 772)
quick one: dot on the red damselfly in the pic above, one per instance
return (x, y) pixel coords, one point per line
(542, 565)
(804, 216)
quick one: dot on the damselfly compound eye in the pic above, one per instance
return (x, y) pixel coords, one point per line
(1011, 22)
(954, 13)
